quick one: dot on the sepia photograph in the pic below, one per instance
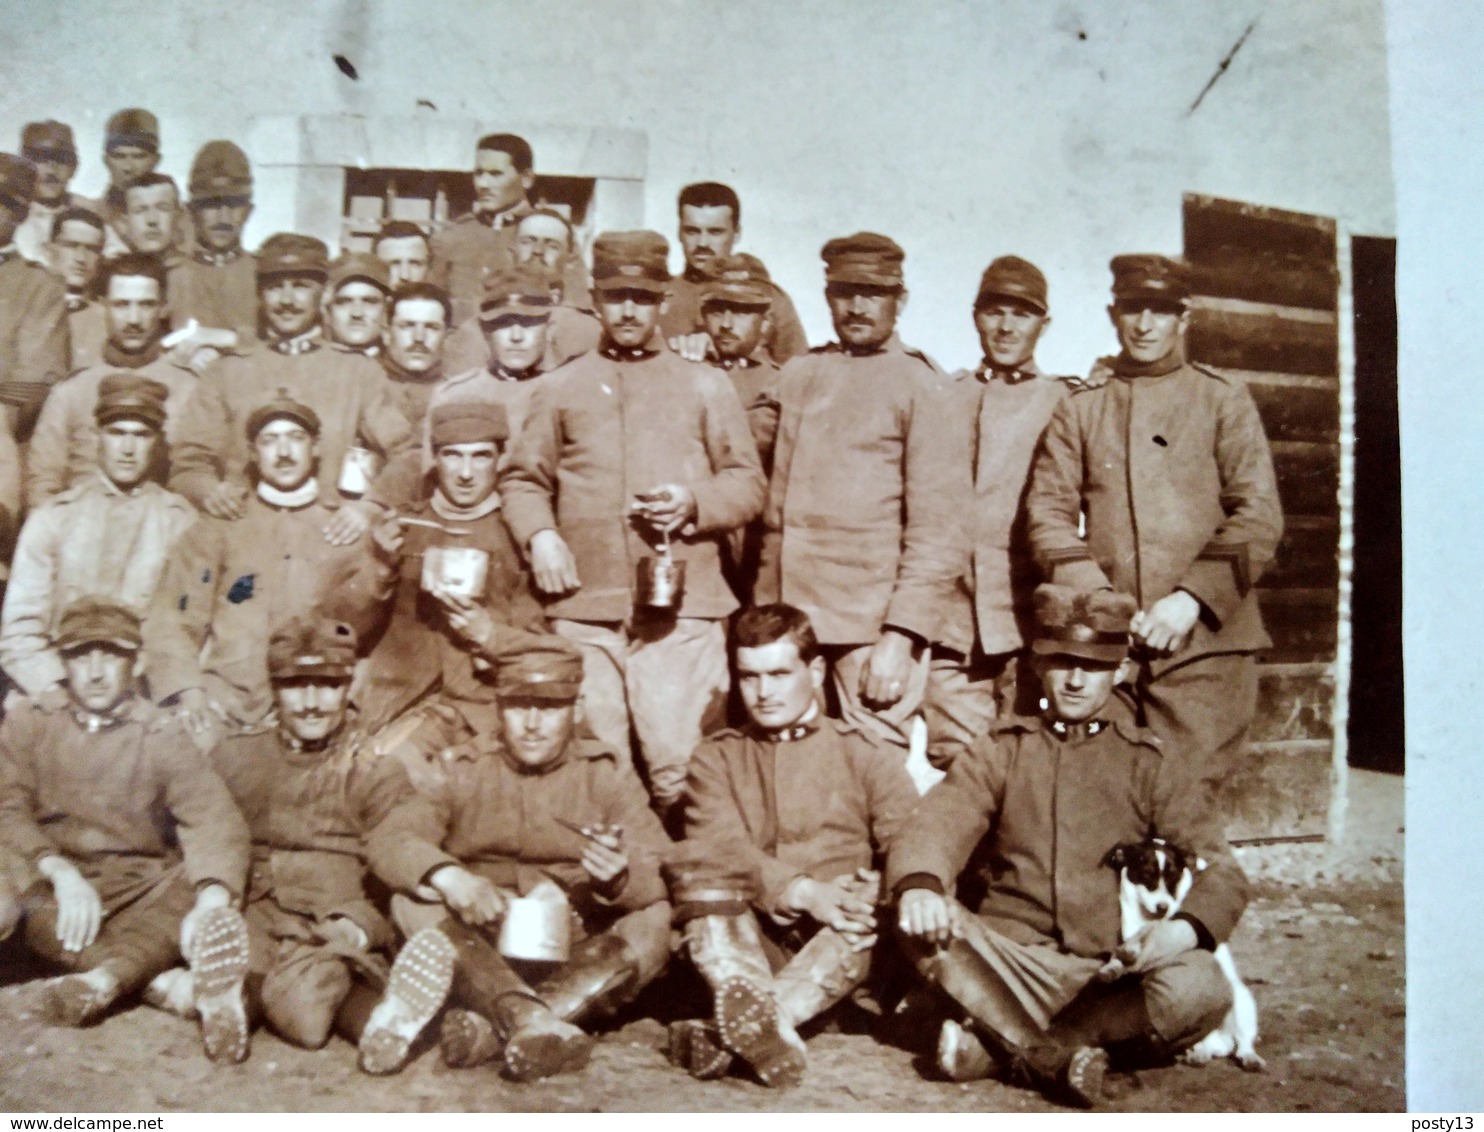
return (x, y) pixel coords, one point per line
(694, 555)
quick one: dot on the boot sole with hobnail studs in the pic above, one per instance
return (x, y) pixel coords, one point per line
(696, 1047)
(532, 1055)
(467, 1038)
(1085, 1073)
(415, 992)
(219, 964)
(747, 1019)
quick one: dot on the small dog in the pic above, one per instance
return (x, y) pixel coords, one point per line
(1153, 879)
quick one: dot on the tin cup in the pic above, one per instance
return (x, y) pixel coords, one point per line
(357, 470)
(461, 570)
(660, 583)
(536, 928)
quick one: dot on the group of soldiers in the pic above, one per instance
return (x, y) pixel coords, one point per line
(368, 611)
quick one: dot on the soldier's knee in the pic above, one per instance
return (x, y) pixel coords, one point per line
(300, 1004)
(1188, 998)
(650, 937)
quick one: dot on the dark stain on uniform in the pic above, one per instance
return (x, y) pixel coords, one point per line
(347, 68)
(241, 589)
(1221, 68)
(182, 602)
(206, 576)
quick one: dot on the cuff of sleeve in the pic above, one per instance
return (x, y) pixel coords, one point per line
(1082, 573)
(1203, 938)
(917, 880)
(1217, 583)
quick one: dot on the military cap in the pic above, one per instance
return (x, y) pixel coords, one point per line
(17, 181)
(739, 278)
(288, 253)
(1011, 277)
(546, 668)
(631, 261)
(865, 258)
(131, 396)
(1092, 624)
(220, 170)
(48, 141)
(94, 620)
(132, 127)
(467, 422)
(523, 289)
(1149, 277)
(313, 645)
(282, 406)
(359, 265)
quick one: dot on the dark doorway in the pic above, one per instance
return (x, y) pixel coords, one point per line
(1377, 737)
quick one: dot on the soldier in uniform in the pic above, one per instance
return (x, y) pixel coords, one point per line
(801, 809)
(1169, 463)
(710, 222)
(405, 250)
(134, 849)
(536, 809)
(135, 297)
(216, 286)
(49, 147)
(1042, 801)
(425, 686)
(230, 582)
(150, 218)
(107, 535)
(624, 451)
(1000, 411)
(736, 313)
(355, 303)
(347, 391)
(34, 351)
(74, 251)
(131, 151)
(860, 528)
(412, 347)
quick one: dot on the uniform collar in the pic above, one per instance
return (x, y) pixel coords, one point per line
(296, 500)
(988, 372)
(1076, 732)
(76, 300)
(505, 218)
(616, 353)
(120, 360)
(217, 259)
(806, 726)
(444, 508)
(752, 361)
(94, 722)
(500, 373)
(301, 344)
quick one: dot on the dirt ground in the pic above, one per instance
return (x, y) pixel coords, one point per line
(1321, 947)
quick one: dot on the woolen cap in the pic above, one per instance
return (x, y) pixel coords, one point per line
(132, 127)
(1011, 277)
(739, 278)
(360, 265)
(524, 289)
(631, 261)
(220, 170)
(467, 422)
(98, 620)
(17, 181)
(288, 253)
(866, 258)
(282, 406)
(1150, 277)
(312, 646)
(131, 396)
(545, 668)
(48, 141)
(1091, 624)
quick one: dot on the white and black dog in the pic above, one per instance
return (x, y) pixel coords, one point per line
(1153, 879)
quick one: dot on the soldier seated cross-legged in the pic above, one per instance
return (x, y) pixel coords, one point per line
(536, 827)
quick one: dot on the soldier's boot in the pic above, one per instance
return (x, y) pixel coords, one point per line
(219, 965)
(728, 951)
(468, 1035)
(1115, 1019)
(961, 1056)
(600, 977)
(823, 972)
(416, 990)
(174, 992)
(695, 1046)
(80, 999)
(537, 1043)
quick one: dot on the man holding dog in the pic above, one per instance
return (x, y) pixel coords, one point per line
(1043, 801)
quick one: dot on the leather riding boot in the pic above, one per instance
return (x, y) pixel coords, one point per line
(481, 977)
(601, 976)
(823, 972)
(538, 1043)
(416, 990)
(1117, 1020)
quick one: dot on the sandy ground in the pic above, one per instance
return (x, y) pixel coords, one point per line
(1321, 947)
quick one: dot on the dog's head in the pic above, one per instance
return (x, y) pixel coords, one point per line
(1154, 873)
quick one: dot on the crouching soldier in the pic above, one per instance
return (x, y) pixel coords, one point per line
(1049, 798)
(536, 811)
(310, 788)
(805, 805)
(104, 891)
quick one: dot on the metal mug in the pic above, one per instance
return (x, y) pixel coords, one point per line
(660, 583)
(537, 927)
(357, 470)
(461, 570)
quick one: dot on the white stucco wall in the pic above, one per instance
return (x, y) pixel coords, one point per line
(963, 128)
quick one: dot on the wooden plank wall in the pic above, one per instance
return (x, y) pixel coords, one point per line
(1266, 312)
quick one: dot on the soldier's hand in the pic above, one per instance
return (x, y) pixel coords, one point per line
(1165, 627)
(51, 699)
(201, 714)
(387, 538)
(1159, 941)
(692, 347)
(552, 564)
(211, 896)
(79, 909)
(888, 669)
(925, 915)
(344, 931)
(666, 508)
(466, 617)
(225, 501)
(605, 859)
(349, 523)
(472, 898)
(831, 905)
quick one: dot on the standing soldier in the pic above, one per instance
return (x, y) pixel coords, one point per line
(74, 252)
(131, 151)
(631, 454)
(1169, 463)
(406, 251)
(48, 146)
(216, 286)
(34, 351)
(1000, 410)
(860, 528)
(355, 303)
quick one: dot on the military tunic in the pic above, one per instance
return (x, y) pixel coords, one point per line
(35, 352)
(472, 248)
(218, 290)
(683, 316)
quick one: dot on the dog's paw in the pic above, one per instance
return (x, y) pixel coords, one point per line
(1250, 1060)
(1195, 1055)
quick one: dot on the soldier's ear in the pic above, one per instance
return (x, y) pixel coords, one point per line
(528, 180)
(817, 673)
(578, 715)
